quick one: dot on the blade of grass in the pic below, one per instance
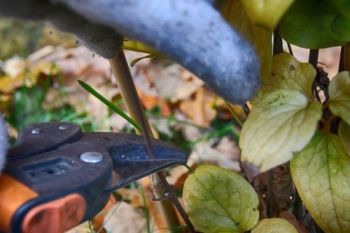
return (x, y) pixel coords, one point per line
(110, 105)
(146, 210)
(112, 212)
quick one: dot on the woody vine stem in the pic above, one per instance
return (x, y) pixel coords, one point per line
(161, 189)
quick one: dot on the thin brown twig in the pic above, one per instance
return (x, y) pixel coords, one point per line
(269, 194)
(313, 57)
(290, 48)
(234, 115)
(347, 56)
(341, 66)
(277, 42)
(161, 187)
(246, 109)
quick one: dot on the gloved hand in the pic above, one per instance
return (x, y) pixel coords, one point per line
(191, 32)
(3, 143)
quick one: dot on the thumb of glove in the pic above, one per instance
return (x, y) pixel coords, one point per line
(3, 143)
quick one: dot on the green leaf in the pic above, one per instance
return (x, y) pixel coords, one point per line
(344, 136)
(110, 105)
(266, 12)
(339, 96)
(343, 6)
(260, 37)
(280, 124)
(220, 201)
(274, 225)
(317, 24)
(289, 74)
(321, 174)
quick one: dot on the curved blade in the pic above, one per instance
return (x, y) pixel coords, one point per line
(130, 162)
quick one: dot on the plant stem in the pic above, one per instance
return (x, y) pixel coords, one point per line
(146, 211)
(313, 57)
(161, 188)
(277, 42)
(269, 194)
(234, 115)
(298, 207)
(347, 56)
(246, 109)
(341, 60)
(290, 49)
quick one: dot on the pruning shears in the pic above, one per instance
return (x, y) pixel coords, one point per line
(57, 176)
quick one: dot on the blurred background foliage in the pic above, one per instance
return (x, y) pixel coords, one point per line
(22, 38)
(23, 93)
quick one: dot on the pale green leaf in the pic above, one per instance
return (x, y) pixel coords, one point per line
(260, 37)
(263, 91)
(280, 124)
(344, 136)
(339, 96)
(266, 12)
(321, 174)
(220, 201)
(274, 225)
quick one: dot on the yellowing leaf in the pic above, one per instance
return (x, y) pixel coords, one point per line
(339, 96)
(344, 136)
(138, 47)
(266, 12)
(28, 76)
(142, 48)
(321, 173)
(199, 109)
(280, 124)
(289, 74)
(261, 38)
(220, 201)
(46, 68)
(274, 225)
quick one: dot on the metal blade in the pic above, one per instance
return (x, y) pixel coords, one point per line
(130, 162)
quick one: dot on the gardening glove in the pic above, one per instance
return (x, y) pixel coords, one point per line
(191, 32)
(3, 143)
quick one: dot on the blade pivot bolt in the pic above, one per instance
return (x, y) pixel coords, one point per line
(63, 127)
(36, 131)
(91, 157)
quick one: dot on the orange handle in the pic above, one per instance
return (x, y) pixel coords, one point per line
(56, 216)
(13, 195)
